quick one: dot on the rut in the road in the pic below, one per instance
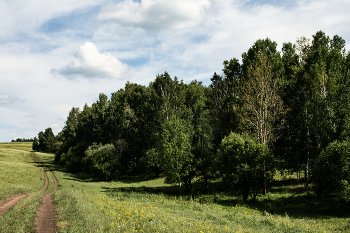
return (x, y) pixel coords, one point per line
(11, 201)
(45, 220)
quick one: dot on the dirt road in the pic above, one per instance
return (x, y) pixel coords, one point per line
(45, 220)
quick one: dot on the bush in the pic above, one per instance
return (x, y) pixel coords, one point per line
(244, 163)
(331, 173)
(71, 161)
(103, 161)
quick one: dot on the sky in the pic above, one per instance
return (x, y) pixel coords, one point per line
(59, 54)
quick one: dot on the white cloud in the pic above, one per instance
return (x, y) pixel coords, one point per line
(132, 41)
(18, 17)
(91, 63)
(156, 15)
(4, 99)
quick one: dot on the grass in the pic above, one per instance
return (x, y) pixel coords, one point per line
(19, 173)
(27, 146)
(142, 204)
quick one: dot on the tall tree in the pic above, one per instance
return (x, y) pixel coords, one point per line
(223, 100)
(262, 106)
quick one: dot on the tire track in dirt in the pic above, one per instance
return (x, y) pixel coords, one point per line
(45, 220)
(13, 200)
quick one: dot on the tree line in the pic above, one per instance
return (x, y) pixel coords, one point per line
(276, 110)
(23, 140)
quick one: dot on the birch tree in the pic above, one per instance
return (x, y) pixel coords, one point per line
(262, 106)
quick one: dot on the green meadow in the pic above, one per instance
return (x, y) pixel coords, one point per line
(145, 204)
(27, 146)
(20, 174)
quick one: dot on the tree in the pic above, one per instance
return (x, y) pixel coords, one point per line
(244, 163)
(41, 140)
(262, 107)
(318, 99)
(49, 141)
(332, 171)
(35, 144)
(223, 100)
(201, 144)
(176, 156)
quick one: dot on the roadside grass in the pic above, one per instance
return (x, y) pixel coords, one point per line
(18, 173)
(20, 218)
(27, 146)
(142, 204)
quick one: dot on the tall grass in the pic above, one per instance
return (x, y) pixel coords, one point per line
(27, 146)
(18, 173)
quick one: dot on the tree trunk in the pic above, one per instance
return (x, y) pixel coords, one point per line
(180, 187)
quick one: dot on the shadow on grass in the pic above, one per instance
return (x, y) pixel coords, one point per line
(170, 191)
(284, 196)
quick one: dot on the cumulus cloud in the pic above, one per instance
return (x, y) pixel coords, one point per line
(91, 63)
(156, 15)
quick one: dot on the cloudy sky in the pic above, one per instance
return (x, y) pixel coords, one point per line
(59, 54)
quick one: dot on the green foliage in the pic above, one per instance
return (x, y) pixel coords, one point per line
(176, 156)
(70, 160)
(296, 104)
(243, 163)
(35, 144)
(47, 141)
(332, 171)
(103, 161)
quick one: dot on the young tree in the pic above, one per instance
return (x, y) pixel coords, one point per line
(332, 171)
(244, 163)
(176, 157)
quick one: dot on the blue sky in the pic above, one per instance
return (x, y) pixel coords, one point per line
(56, 55)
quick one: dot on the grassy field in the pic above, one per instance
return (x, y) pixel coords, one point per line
(27, 146)
(140, 204)
(20, 174)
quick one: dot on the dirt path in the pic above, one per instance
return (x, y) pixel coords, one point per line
(11, 201)
(45, 220)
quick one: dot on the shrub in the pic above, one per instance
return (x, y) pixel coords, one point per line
(331, 173)
(103, 161)
(243, 163)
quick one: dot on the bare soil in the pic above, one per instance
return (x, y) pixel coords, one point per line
(46, 217)
(45, 220)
